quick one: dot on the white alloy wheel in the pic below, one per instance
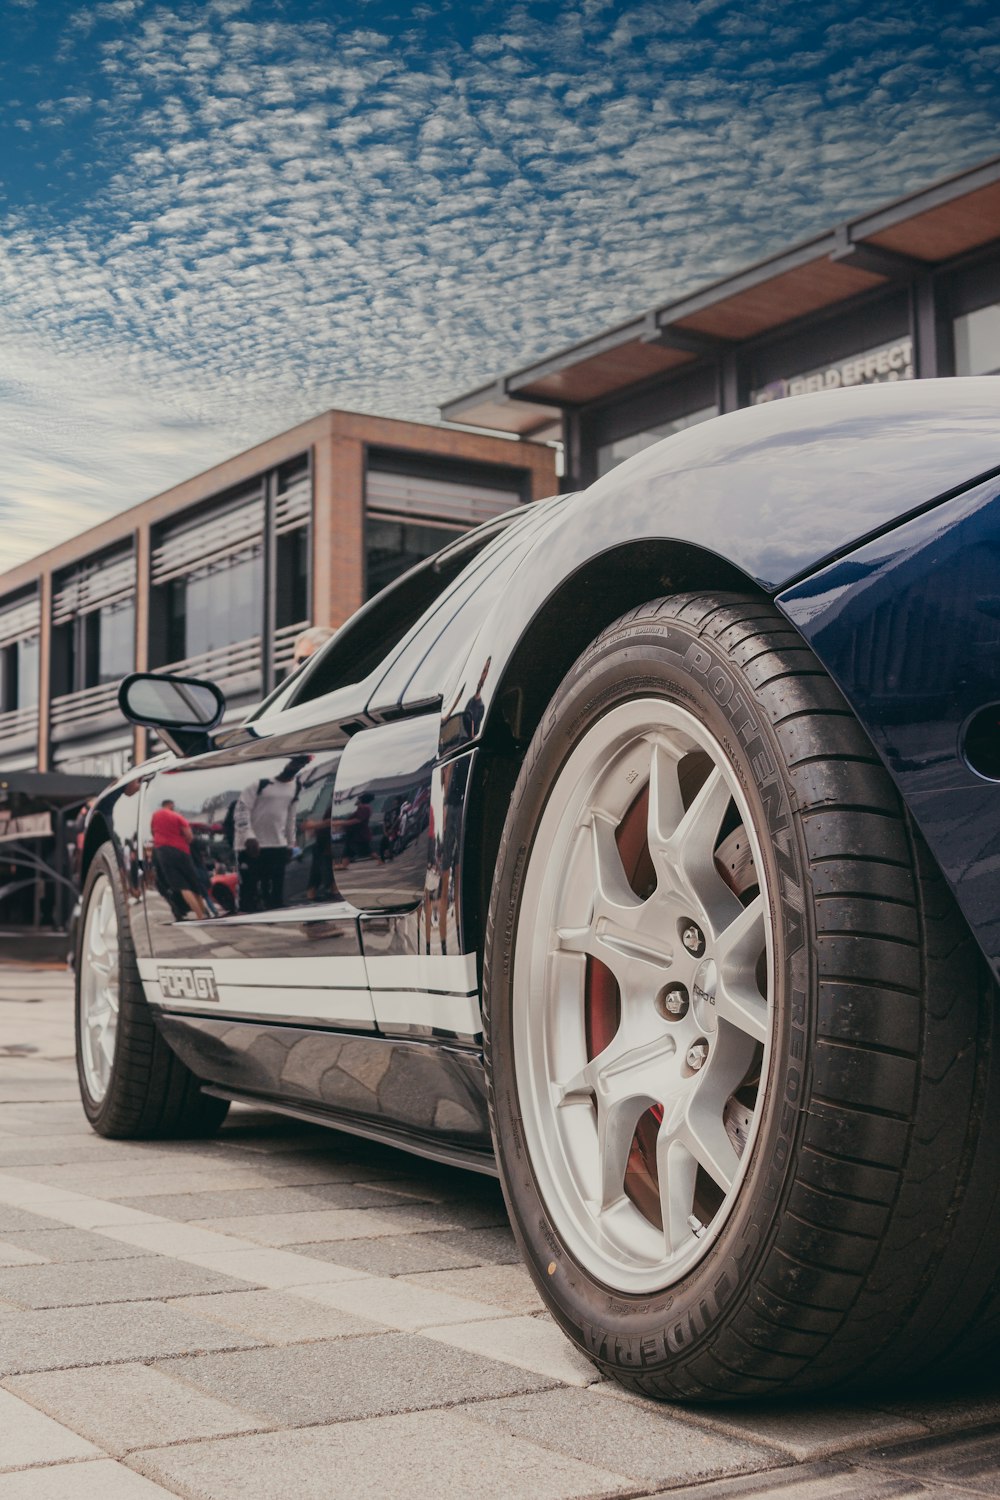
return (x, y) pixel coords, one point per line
(642, 1026)
(99, 989)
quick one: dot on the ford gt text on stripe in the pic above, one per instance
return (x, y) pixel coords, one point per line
(641, 847)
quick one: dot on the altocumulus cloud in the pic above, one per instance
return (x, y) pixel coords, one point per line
(219, 218)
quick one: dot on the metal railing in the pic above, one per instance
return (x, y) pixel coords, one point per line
(284, 642)
(236, 665)
(75, 709)
(19, 724)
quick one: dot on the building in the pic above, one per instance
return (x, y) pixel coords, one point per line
(908, 291)
(217, 576)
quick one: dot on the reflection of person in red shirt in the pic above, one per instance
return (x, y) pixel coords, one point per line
(175, 872)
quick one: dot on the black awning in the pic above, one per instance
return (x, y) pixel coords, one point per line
(53, 788)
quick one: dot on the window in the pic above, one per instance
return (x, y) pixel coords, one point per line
(415, 506)
(93, 614)
(19, 675)
(395, 546)
(27, 673)
(215, 605)
(977, 341)
(292, 566)
(610, 455)
(115, 653)
(884, 362)
(380, 625)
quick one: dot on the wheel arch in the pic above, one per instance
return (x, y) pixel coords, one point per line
(569, 618)
(98, 833)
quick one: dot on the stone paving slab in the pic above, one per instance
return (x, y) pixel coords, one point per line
(80, 1481)
(122, 1407)
(532, 1343)
(351, 1224)
(509, 1287)
(399, 1305)
(273, 1268)
(336, 1380)
(630, 1439)
(268, 1200)
(138, 1279)
(17, 1255)
(63, 1245)
(969, 1459)
(30, 1437)
(827, 1480)
(273, 1317)
(17, 1220)
(804, 1430)
(437, 1250)
(59, 1337)
(972, 1405)
(438, 1454)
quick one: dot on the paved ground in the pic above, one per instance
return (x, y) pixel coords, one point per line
(285, 1312)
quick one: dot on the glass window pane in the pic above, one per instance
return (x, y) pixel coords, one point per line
(869, 367)
(116, 651)
(610, 455)
(977, 342)
(27, 673)
(216, 605)
(395, 546)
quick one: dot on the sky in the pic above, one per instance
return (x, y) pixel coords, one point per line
(219, 218)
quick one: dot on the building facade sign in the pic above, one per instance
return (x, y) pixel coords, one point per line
(873, 366)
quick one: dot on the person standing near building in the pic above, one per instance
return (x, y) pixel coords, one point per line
(306, 645)
(174, 868)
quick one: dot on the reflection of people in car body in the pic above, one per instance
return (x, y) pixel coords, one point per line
(322, 882)
(264, 827)
(357, 831)
(176, 877)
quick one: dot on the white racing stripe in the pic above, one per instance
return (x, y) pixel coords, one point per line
(452, 973)
(457, 1013)
(420, 990)
(329, 1007)
(346, 971)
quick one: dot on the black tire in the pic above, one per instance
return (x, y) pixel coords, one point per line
(862, 1246)
(150, 1093)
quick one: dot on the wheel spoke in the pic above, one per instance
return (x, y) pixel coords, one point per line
(677, 1172)
(615, 932)
(666, 806)
(688, 856)
(738, 948)
(616, 1122)
(98, 1015)
(106, 1042)
(706, 1138)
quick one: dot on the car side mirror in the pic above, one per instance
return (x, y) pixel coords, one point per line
(183, 710)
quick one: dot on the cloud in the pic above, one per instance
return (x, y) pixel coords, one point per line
(260, 214)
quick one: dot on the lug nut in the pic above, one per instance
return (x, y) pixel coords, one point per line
(673, 1003)
(697, 1055)
(693, 938)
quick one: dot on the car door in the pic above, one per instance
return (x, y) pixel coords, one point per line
(274, 939)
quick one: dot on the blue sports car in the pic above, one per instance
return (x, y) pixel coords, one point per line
(641, 847)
